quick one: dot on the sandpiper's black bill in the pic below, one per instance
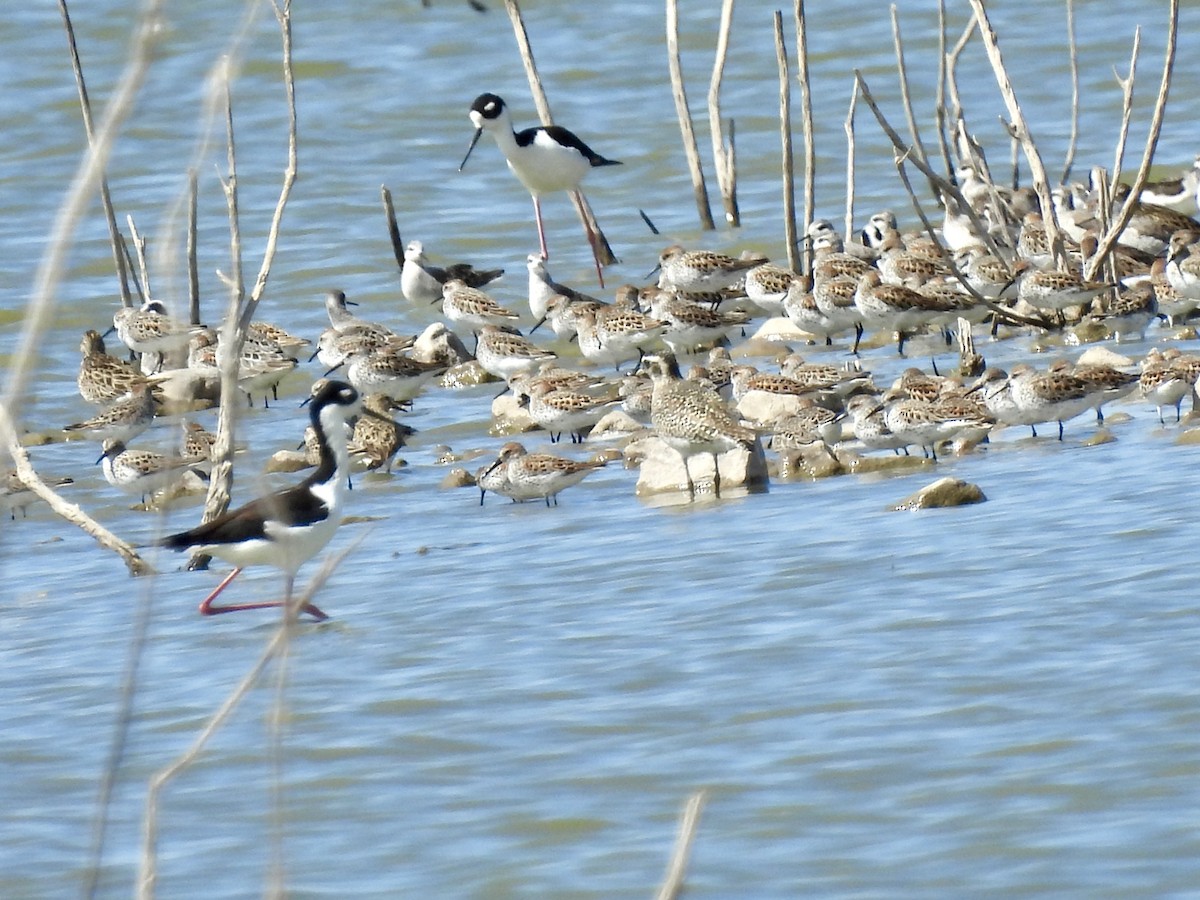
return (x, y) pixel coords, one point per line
(474, 141)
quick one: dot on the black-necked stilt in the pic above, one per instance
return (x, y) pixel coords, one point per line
(421, 281)
(546, 158)
(287, 528)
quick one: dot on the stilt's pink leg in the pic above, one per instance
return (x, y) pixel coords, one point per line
(537, 214)
(207, 608)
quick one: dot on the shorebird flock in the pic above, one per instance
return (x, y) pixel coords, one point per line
(687, 360)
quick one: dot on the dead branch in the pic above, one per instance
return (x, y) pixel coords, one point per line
(940, 108)
(690, 148)
(1074, 59)
(1041, 182)
(192, 265)
(139, 244)
(85, 104)
(791, 239)
(723, 158)
(849, 127)
(1109, 241)
(389, 211)
(905, 98)
(1126, 85)
(806, 122)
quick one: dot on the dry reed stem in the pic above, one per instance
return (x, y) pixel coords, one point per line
(1073, 54)
(791, 239)
(582, 208)
(85, 104)
(389, 212)
(1126, 85)
(148, 873)
(1037, 170)
(689, 820)
(806, 123)
(849, 129)
(1109, 241)
(131, 267)
(723, 154)
(690, 148)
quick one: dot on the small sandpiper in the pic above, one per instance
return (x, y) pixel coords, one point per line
(143, 472)
(533, 476)
(123, 420)
(103, 378)
(506, 353)
(691, 271)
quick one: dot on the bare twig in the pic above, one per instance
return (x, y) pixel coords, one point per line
(956, 109)
(690, 148)
(940, 109)
(389, 211)
(791, 239)
(689, 820)
(1126, 85)
(69, 511)
(1041, 182)
(849, 127)
(722, 150)
(905, 98)
(806, 122)
(139, 244)
(110, 215)
(1074, 58)
(582, 207)
(131, 268)
(192, 266)
(938, 182)
(238, 320)
(1109, 241)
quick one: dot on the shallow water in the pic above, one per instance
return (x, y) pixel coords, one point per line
(515, 701)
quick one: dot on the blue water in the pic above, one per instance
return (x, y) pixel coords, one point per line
(512, 701)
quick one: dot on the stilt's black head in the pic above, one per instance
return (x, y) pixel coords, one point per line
(487, 106)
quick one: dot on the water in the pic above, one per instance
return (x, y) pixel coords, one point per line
(515, 701)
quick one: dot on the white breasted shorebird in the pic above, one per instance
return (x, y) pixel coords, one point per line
(473, 308)
(927, 424)
(121, 421)
(612, 335)
(377, 436)
(1054, 290)
(103, 378)
(143, 472)
(543, 288)
(504, 353)
(692, 419)
(341, 318)
(693, 271)
(389, 370)
(1166, 381)
(1183, 263)
(690, 325)
(898, 266)
(866, 413)
(767, 285)
(421, 281)
(1130, 314)
(534, 476)
(150, 330)
(288, 527)
(15, 494)
(558, 410)
(893, 307)
(830, 259)
(546, 158)
(1052, 396)
(563, 313)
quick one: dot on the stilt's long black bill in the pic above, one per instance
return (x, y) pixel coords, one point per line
(474, 141)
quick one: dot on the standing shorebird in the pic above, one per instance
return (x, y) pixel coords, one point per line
(545, 159)
(287, 528)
